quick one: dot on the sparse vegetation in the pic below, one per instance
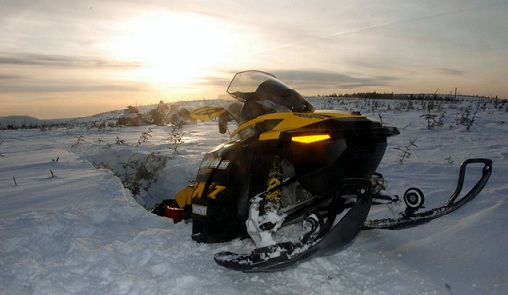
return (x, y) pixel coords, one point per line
(175, 139)
(79, 140)
(467, 117)
(145, 136)
(99, 141)
(119, 141)
(139, 174)
(406, 151)
(435, 115)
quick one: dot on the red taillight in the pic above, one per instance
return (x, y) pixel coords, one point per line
(173, 213)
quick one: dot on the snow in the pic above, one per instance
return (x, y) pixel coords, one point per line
(69, 228)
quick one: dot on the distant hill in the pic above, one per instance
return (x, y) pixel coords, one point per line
(19, 121)
(14, 122)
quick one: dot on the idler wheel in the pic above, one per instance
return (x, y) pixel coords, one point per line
(414, 199)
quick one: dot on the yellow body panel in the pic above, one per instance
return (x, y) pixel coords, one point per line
(184, 196)
(207, 113)
(291, 121)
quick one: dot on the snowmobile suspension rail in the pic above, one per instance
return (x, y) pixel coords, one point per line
(454, 201)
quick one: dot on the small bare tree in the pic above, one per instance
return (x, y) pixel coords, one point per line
(406, 151)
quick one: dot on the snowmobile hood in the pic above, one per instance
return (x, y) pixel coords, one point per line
(271, 126)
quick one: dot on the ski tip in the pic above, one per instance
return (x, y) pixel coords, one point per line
(225, 256)
(234, 261)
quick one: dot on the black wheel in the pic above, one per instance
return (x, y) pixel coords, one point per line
(413, 197)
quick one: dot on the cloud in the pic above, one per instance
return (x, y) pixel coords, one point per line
(315, 79)
(310, 82)
(451, 72)
(35, 73)
(24, 59)
(42, 86)
(5, 77)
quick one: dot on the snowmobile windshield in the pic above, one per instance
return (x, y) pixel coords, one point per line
(259, 93)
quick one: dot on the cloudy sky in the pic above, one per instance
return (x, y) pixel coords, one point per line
(68, 58)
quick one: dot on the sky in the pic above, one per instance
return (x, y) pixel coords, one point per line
(62, 59)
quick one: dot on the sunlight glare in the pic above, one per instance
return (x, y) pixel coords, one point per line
(173, 48)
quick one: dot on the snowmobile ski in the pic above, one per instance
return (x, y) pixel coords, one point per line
(328, 238)
(414, 201)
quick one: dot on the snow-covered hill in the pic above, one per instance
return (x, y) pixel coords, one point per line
(68, 226)
(28, 122)
(18, 121)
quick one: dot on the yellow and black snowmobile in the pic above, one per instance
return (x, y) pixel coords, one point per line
(287, 162)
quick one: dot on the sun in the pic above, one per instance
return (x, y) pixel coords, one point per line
(172, 48)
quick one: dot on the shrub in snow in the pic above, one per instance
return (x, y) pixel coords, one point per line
(139, 174)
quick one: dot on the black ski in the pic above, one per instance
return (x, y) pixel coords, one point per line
(329, 239)
(413, 218)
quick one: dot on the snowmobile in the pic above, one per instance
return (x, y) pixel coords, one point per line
(288, 164)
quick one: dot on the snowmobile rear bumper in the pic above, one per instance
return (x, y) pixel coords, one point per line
(454, 201)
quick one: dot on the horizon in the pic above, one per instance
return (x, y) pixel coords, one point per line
(70, 59)
(330, 95)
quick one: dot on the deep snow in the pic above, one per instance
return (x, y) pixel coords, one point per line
(69, 228)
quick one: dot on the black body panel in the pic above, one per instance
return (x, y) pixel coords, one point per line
(233, 173)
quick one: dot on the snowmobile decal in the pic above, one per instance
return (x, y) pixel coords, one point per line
(215, 163)
(196, 190)
(211, 192)
(207, 113)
